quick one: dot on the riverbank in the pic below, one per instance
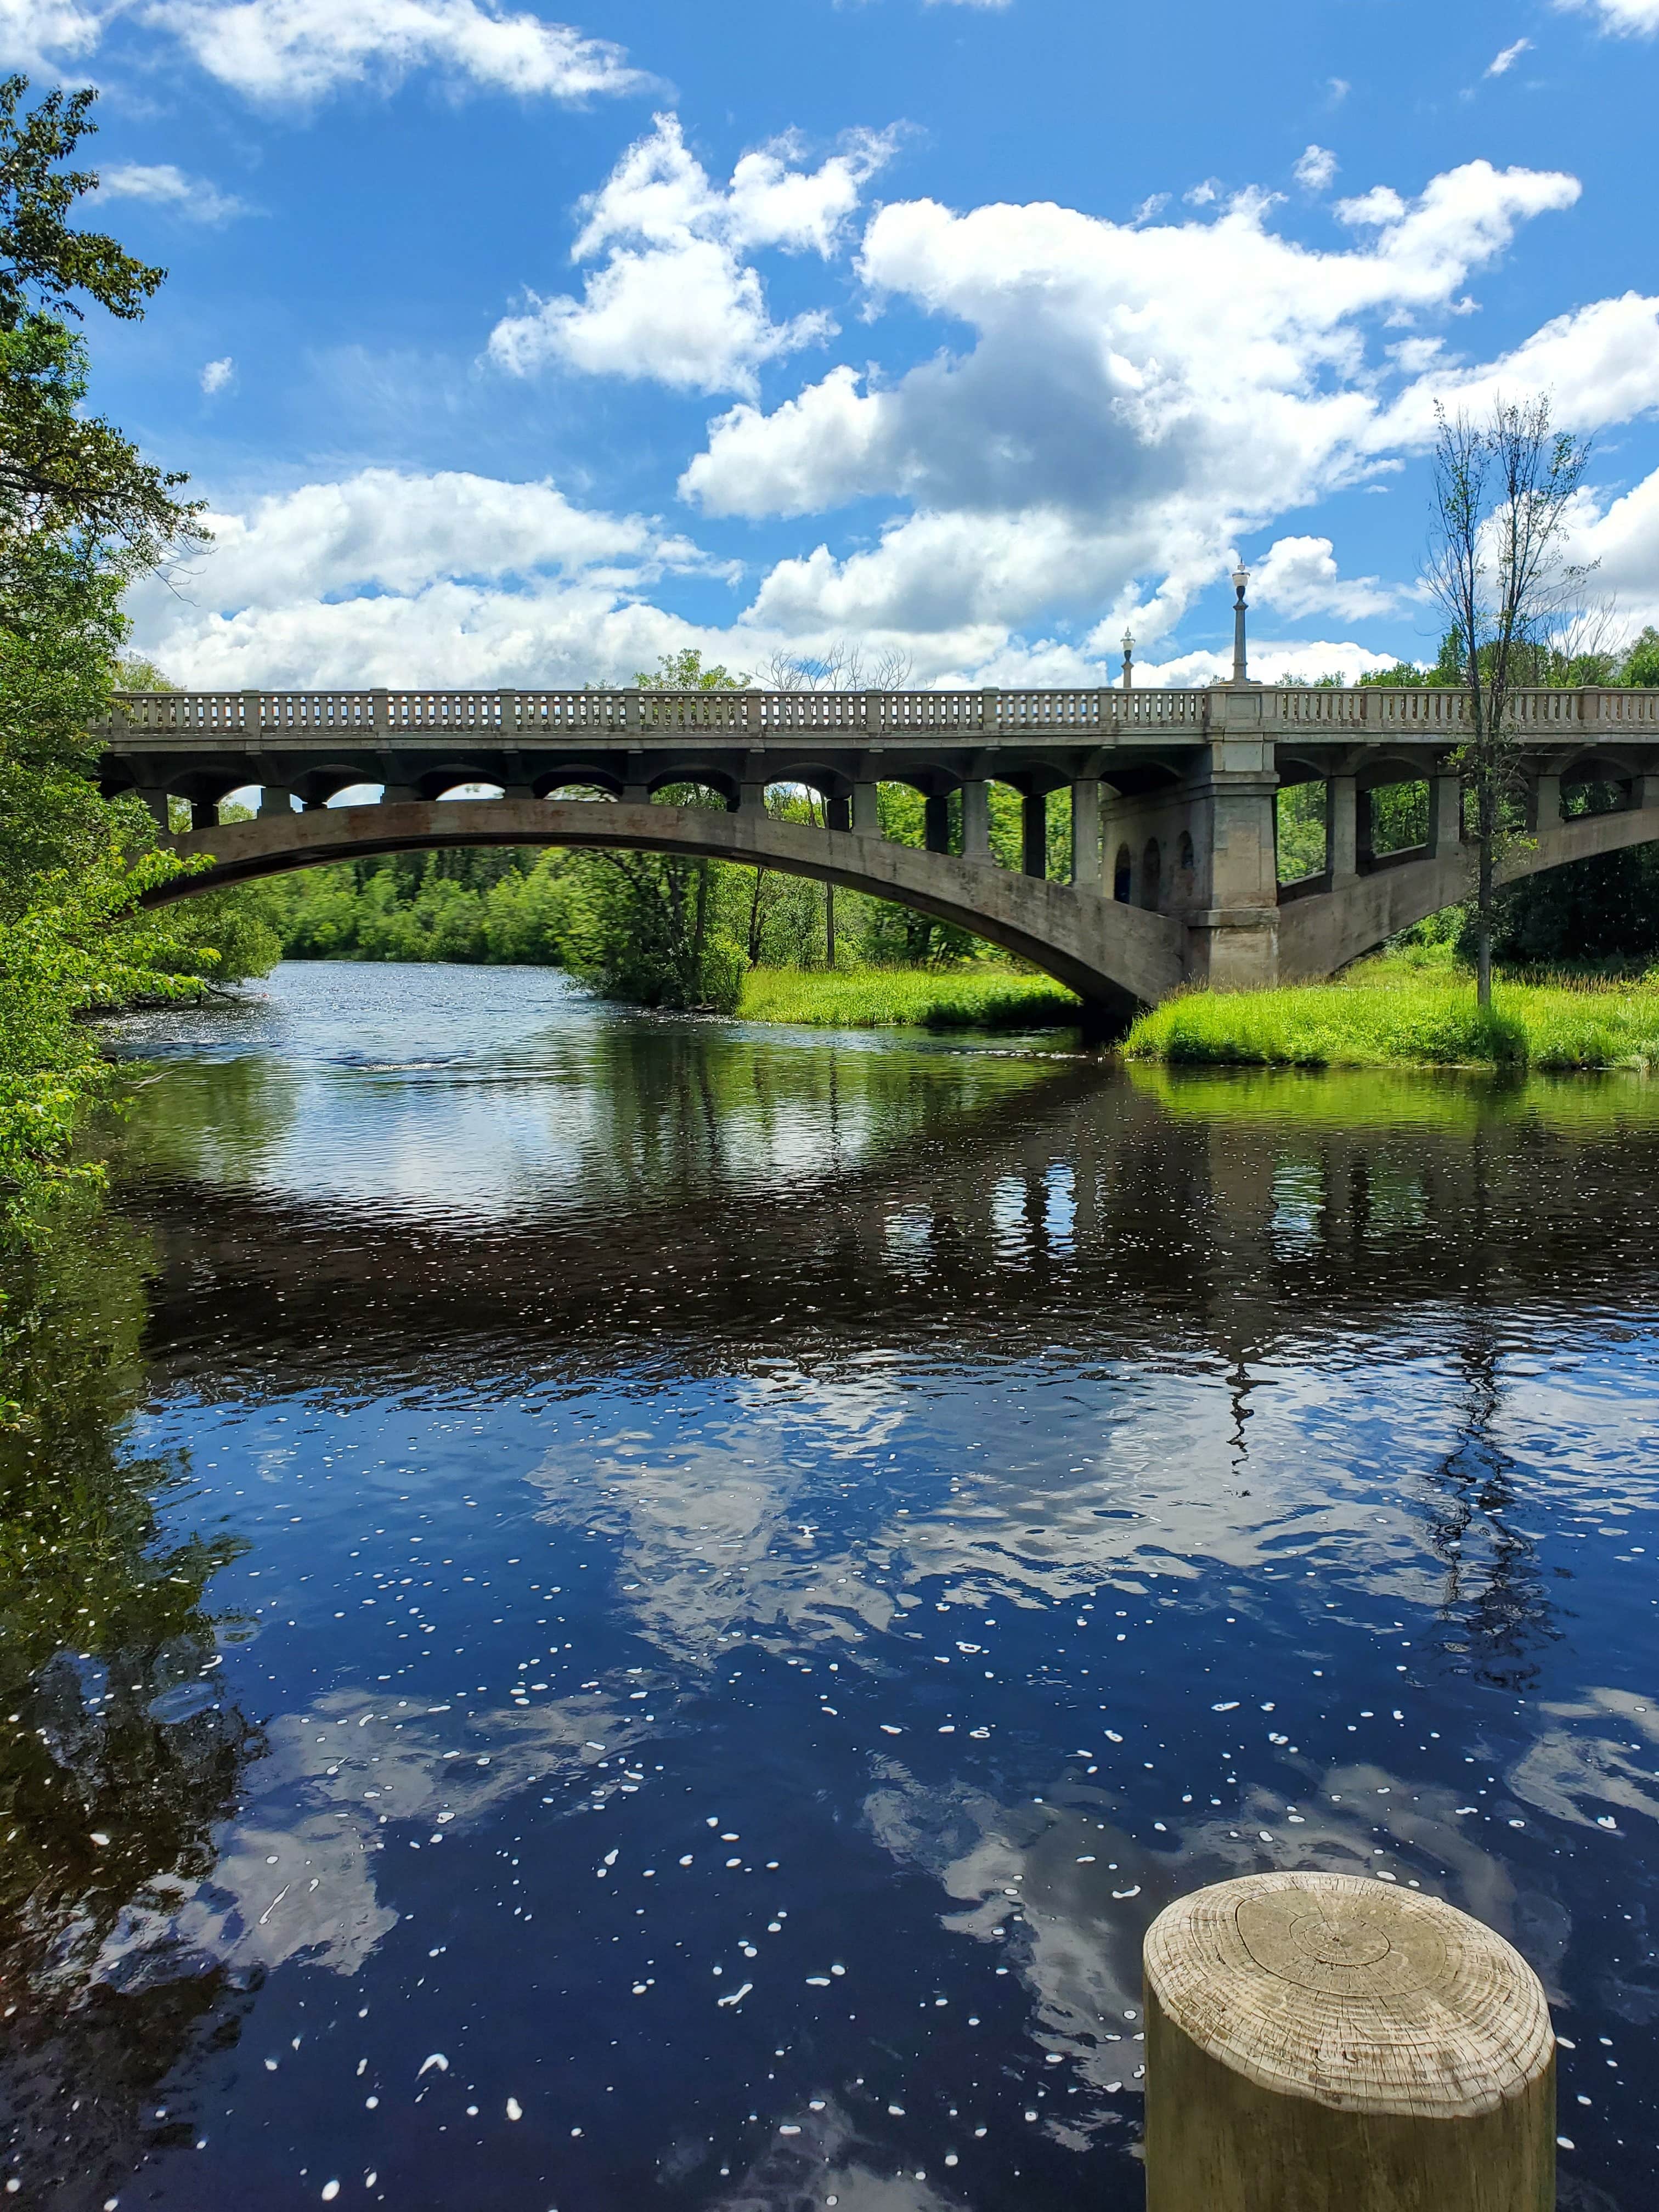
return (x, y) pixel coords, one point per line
(891, 998)
(1401, 1016)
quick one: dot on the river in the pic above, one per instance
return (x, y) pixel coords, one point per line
(944, 1500)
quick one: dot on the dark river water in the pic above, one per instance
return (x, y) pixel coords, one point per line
(603, 1611)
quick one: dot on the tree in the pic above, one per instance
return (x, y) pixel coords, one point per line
(65, 473)
(81, 512)
(839, 667)
(683, 671)
(1502, 492)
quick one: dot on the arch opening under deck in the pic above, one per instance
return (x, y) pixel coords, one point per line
(1114, 957)
(1320, 933)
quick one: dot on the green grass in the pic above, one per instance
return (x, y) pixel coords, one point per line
(880, 998)
(1389, 1014)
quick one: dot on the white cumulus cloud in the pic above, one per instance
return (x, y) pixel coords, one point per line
(44, 37)
(388, 577)
(1501, 64)
(164, 186)
(298, 50)
(218, 375)
(1130, 402)
(1316, 169)
(1620, 542)
(1298, 576)
(676, 300)
(1637, 18)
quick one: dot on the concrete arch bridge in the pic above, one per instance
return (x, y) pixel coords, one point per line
(1174, 875)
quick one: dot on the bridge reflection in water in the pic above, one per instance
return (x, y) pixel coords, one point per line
(697, 1407)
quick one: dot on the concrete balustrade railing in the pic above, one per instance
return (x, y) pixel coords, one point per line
(1286, 711)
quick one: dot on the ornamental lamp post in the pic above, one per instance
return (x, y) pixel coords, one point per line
(1241, 577)
(1128, 661)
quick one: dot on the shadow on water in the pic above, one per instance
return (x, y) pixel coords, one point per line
(1017, 1489)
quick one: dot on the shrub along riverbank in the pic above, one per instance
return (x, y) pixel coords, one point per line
(1395, 1014)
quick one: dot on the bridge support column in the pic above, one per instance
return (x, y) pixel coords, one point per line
(521, 791)
(1544, 804)
(157, 803)
(752, 790)
(1644, 791)
(275, 799)
(1446, 815)
(866, 810)
(838, 813)
(976, 820)
(1342, 804)
(392, 794)
(1034, 833)
(936, 818)
(1233, 937)
(203, 813)
(1086, 834)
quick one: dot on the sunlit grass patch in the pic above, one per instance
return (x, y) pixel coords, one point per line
(1389, 1014)
(882, 998)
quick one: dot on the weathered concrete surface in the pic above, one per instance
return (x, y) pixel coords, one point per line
(1322, 931)
(1110, 954)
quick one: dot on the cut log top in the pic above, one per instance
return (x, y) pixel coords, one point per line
(1351, 1994)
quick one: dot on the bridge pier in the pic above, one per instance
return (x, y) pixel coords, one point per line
(752, 788)
(1232, 930)
(1086, 834)
(275, 799)
(936, 821)
(1342, 805)
(976, 819)
(1543, 803)
(1034, 833)
(1446, 815)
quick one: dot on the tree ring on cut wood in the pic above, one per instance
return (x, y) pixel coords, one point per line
(1351, 1993)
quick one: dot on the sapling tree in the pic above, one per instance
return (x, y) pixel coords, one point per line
(1503, 493)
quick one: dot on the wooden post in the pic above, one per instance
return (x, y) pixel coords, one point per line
(1328, 2043)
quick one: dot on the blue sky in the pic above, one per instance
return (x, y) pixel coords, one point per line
(513, 350)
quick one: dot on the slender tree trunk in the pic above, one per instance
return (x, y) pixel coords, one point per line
(1485, 813)
(829, 925)
(754, 920)
(699, 932)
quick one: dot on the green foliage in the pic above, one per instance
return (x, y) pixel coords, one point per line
(81, 514)
(684, 672)
(1301, 818)
(65, 474)
(647, 928)
(77, 947)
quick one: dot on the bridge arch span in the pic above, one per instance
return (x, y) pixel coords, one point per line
(1323, 930)
(1110, 954)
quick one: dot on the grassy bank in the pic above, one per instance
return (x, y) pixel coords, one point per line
(1398, 1016)
(879, 997)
